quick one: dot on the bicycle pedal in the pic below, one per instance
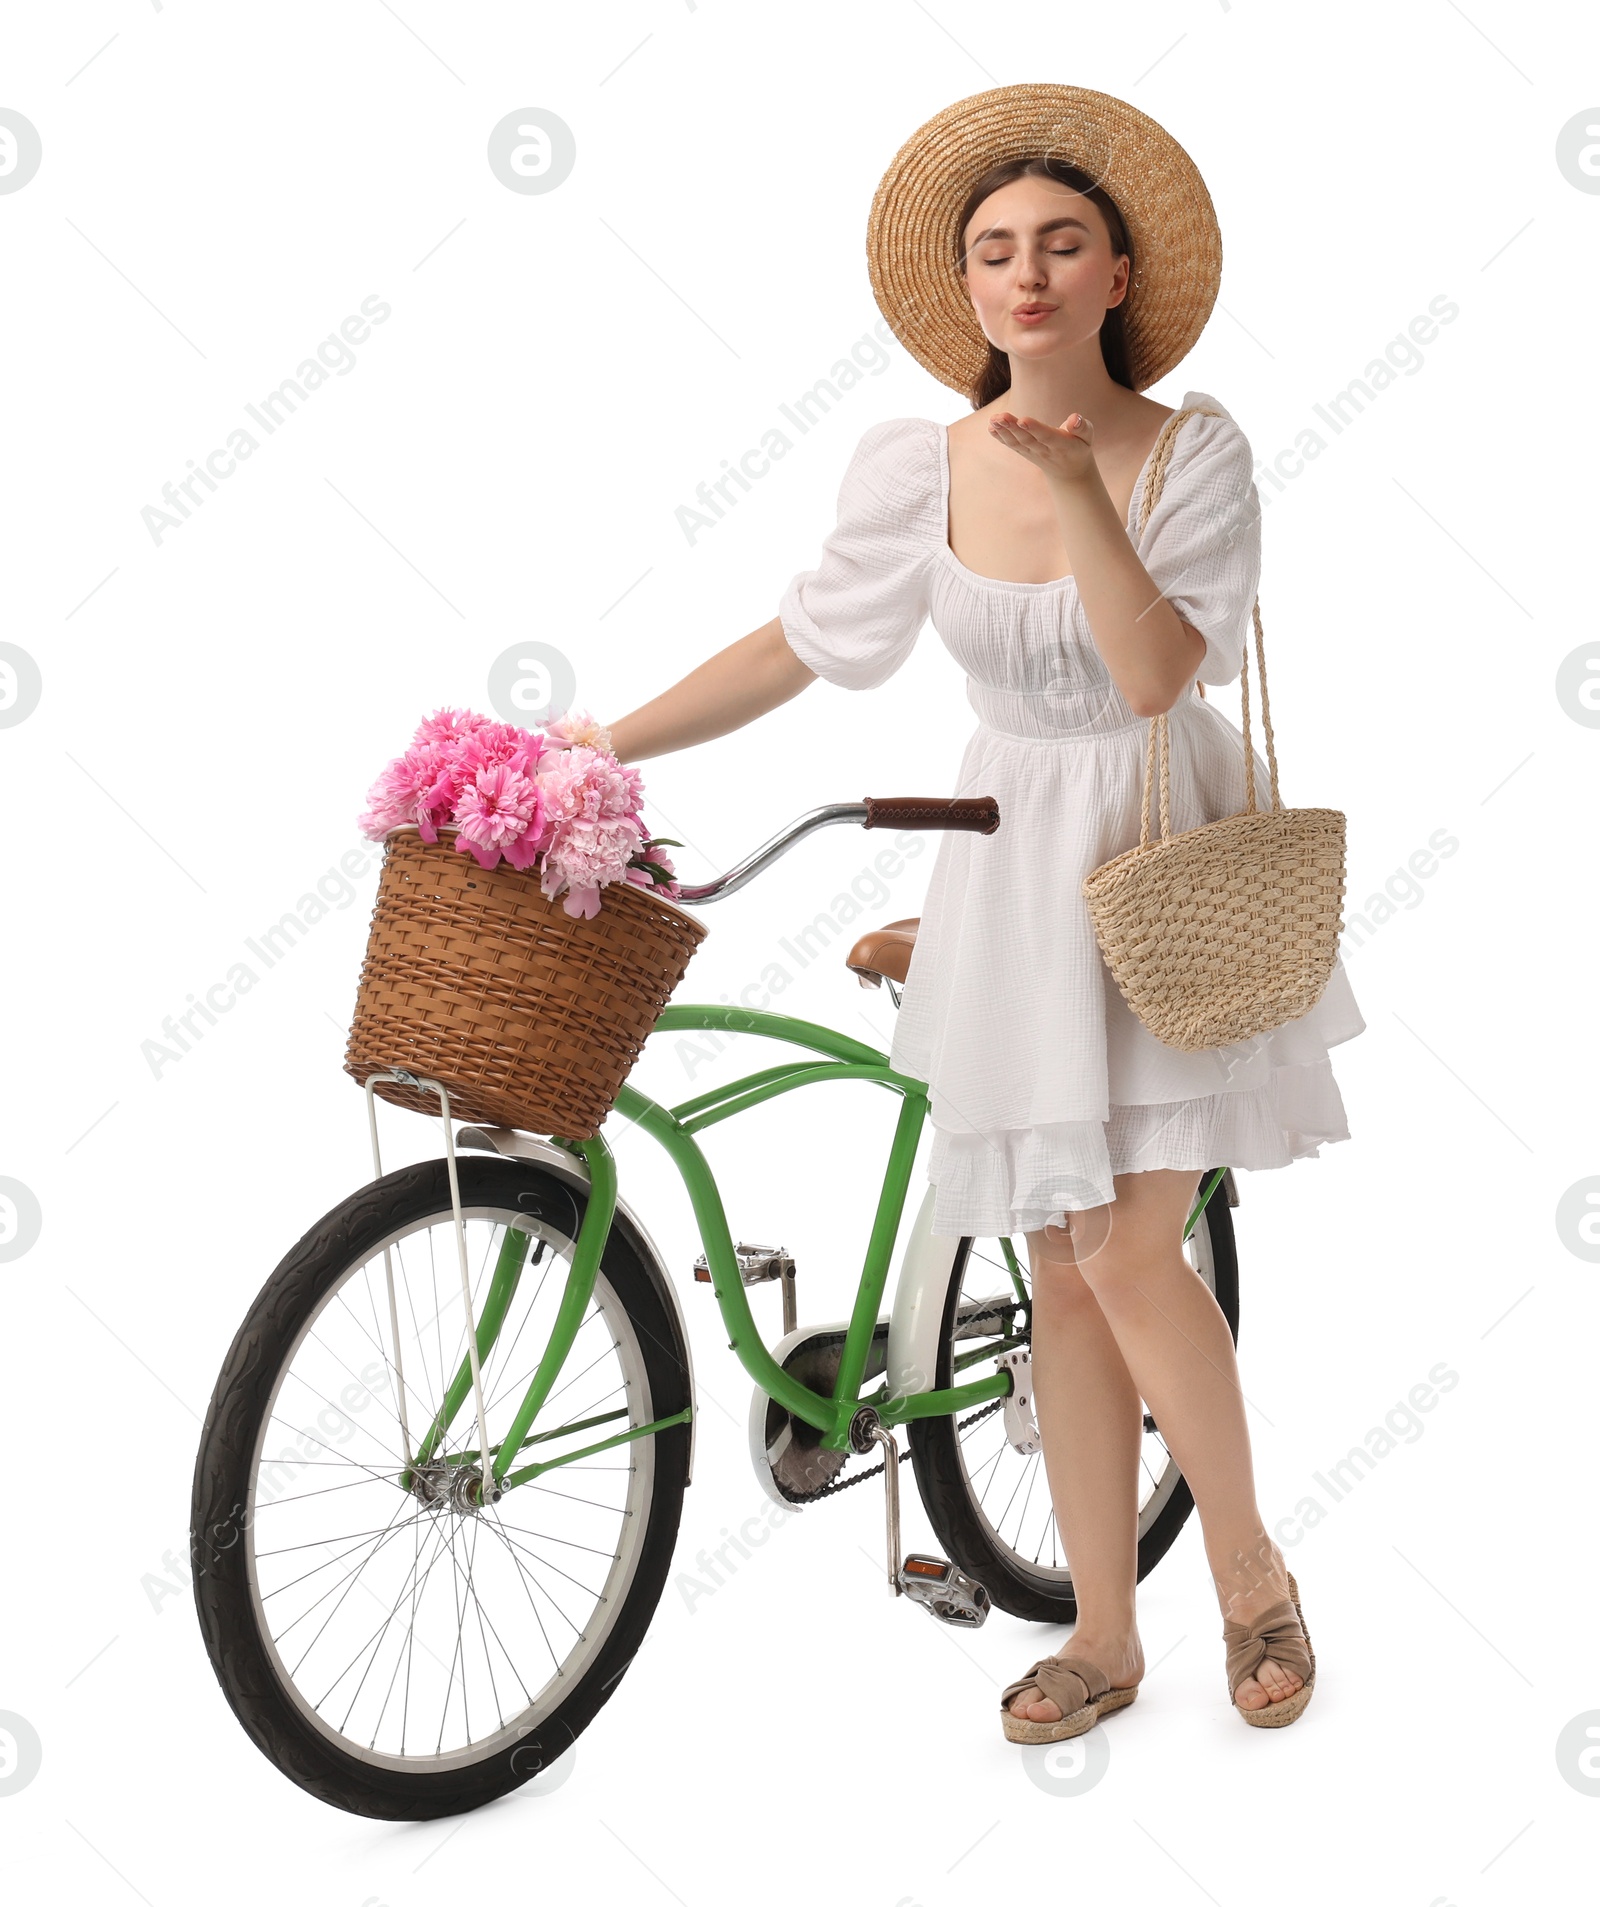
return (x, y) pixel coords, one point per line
(757, 1264)
(1022, 1429)
(946, 1592)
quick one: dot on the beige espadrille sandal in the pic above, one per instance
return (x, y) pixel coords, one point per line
(1081, 1691)
(1281, 1633)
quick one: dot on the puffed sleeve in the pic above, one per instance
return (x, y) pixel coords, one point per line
(855, 618)
(1202, 545)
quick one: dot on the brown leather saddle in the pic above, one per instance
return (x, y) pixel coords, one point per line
(883, 954)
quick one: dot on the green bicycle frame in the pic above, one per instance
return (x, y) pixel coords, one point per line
(675, 1128)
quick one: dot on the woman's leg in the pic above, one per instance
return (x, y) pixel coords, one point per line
(1178, 1350)
(1090, 1425)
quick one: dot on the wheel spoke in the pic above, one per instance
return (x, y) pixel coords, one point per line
(439, 1548)
(302, 1496)
(386, 1352)
(527, 1589)
(343, 1581)
(533, 1581)
(545, 1563)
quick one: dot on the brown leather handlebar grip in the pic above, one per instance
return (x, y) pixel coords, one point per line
(974, 814)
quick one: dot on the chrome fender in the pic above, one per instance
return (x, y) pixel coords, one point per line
(573, 1168)
(919, 1295)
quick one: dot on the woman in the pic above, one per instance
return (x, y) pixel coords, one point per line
(1051, 292)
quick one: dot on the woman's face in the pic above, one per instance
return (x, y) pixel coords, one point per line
(1040, 269)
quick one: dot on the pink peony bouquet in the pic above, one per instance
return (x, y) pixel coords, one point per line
(554, 799)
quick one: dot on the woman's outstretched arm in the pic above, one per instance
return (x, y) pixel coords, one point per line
(1150, 651)
(731, 688)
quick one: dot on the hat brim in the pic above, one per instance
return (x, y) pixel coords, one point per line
(1172, 224)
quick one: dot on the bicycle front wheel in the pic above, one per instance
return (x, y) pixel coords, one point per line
(989, 1503)
(394, 1647)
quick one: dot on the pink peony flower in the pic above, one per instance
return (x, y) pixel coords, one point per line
(499, 743)
(444, 728)
(417, 789)
(582, 782)
(495, 815)
(578, 726)
(583, 856)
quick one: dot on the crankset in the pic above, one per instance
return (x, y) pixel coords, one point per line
(786, 1452)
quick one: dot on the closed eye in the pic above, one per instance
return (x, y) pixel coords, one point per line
(1057, 251)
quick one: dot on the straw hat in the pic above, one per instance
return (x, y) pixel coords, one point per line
(911, 235)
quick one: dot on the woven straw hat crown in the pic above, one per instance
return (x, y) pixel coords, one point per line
(1172, 225)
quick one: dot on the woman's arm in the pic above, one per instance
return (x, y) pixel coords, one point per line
(733, 687)
(1151, 653)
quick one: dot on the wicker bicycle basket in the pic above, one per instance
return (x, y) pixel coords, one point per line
(1232, 928)
(529, 1016)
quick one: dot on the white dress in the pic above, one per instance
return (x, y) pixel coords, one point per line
(1042, 1081)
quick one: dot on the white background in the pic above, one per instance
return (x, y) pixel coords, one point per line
(220, 187)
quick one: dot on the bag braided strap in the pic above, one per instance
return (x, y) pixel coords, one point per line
(1160, 457)
(1276, 1632)
(1070, 1681)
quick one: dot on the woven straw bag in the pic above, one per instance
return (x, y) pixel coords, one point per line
(1232, 928)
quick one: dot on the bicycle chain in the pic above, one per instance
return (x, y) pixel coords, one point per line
(832, 1489)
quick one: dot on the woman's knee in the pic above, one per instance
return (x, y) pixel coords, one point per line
(1058, 1282)
(1117, 1245)
(1109, 1251)
(1109, 1275)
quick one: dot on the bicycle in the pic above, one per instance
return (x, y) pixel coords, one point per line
(424, 1555)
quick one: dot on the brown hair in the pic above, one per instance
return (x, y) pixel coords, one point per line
(995, 377)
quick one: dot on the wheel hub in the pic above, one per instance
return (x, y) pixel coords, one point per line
(451, 1486)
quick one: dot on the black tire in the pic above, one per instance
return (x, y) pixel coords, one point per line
(231, 1446)
(1014, 1583)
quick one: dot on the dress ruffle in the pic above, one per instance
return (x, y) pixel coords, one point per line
(1002, 1184)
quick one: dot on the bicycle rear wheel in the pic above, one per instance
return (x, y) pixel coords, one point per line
(989, 1504)
(399, 1651)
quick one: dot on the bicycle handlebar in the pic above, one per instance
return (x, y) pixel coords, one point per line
(975, 814)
